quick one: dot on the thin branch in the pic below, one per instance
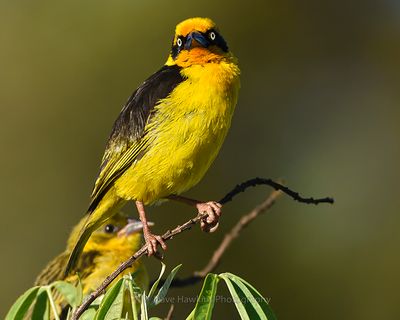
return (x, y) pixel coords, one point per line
(277, 186)
(186, 226)
(170, 312)
(213, 263)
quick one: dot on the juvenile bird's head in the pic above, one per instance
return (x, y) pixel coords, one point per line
(197, 41)
(105, 247)
(106, 237)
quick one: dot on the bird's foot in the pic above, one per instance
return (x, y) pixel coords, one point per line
(152, 241)
(211, 222)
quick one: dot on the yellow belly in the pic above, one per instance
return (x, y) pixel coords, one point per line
(185, 134)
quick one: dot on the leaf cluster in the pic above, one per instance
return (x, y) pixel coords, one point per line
(125, 300)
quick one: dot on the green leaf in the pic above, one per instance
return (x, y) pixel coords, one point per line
(68, 291)
(155, 284)
(69, 314)
(143, 308)
(97, 301)
(262, 302)
(250, 302)
(133, 298)
(52, 302)
(155, 318)
(236, 298)
(79, 292)
(112, 303)
(41, 310)
(191, 315)
(21, 306)
(137, 291)
(164, 289)
(206, 300)
(89, 314)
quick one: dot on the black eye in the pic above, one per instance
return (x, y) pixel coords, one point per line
(212, 35)
(179, 42)
(217, 40)
(110, 228)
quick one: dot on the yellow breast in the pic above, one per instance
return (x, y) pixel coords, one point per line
(185, 133)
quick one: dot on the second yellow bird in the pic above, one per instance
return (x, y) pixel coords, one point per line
(169, 132)
(103, 253)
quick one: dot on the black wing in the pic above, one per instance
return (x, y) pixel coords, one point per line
(126, 140)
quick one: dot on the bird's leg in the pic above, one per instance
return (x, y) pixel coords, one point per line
(212, 208)
(151, 239)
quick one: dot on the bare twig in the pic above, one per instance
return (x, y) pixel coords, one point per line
(187, 225)
(277, 186)
(170, 312)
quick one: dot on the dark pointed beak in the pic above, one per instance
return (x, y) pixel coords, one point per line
(134, 226)
(196, 39)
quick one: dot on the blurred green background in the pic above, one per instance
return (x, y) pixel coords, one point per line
(319, 107)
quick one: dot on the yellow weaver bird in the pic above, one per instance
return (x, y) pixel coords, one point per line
(103, 253)
(169, 132)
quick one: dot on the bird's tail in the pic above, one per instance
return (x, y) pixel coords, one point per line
(106, 208)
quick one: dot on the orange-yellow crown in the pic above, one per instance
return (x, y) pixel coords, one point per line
(194, 24)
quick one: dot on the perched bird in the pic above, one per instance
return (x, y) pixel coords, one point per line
(103, 253)
(169, 132)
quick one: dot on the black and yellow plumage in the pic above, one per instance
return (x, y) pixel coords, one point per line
(169, 132)
(126, 142)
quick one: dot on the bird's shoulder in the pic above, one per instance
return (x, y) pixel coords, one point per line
(126, 141)
(134, 115)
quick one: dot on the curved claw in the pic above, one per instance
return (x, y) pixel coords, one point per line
(209, 228)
